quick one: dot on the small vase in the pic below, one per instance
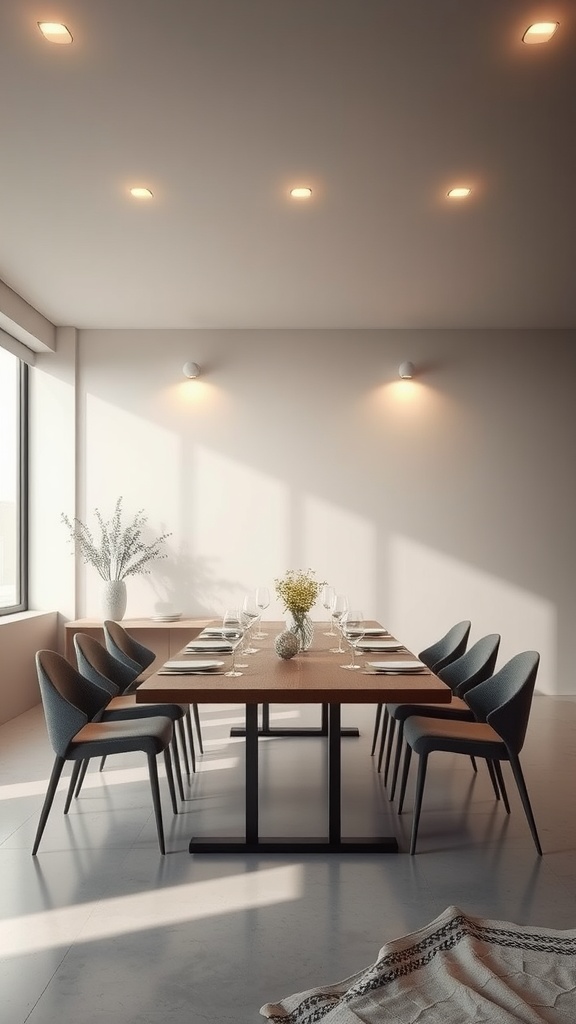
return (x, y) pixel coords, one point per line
(113, 600)
(303, 628)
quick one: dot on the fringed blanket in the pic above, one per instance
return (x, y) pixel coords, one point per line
(456, 970)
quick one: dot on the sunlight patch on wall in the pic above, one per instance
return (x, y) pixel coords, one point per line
(131, 456)
(241, 515)
(430, 591)
(341, 547)
(149, 910)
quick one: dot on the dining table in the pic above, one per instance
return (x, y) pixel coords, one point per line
(314, 676)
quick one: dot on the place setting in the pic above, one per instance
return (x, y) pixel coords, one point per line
(191, 668)
(396, 668)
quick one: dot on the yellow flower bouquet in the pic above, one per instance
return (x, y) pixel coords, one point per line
(299, 590)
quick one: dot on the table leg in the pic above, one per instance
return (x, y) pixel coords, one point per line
(334, 843)
(289, 730)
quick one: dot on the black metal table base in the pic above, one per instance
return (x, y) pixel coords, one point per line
(333, 843)
(265, 729)
(205, 844)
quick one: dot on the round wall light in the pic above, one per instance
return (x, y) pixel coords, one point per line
(406, 371)
(191, 370)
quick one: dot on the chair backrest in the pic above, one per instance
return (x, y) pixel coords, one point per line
(70, 701)
(126, 648)
(472, 667)
(101, 667)
(448, 648)
(504, 700)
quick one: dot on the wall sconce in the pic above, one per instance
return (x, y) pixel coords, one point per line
(406, 371)
(191, 370)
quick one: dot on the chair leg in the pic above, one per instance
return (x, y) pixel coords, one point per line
(190, 735)
(421, 779)
(376, 728)
(196, 713)
(389, 745)
(398, 754)
(493, 778)
(81, 776)
(170, 779)
(179, 727)
(501, 786)
(405, 770)
(519, 777)
(72, 784)
(383, 734)
(153, 773)
(473, 762)
(177, 769)
(102, 763)
(48, 800)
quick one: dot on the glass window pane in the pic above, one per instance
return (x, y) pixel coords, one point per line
(12, 589)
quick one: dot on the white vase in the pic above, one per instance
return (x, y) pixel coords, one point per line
(113, 600)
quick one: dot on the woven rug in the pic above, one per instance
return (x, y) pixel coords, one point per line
(456, 970)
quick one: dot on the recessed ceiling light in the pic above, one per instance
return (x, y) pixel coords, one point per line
(301, 193)
(540, 32)
(141, 193)
(460, 192)
(54, 32)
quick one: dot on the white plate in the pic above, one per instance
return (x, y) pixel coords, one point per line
(379, 645)
(369, 631)
(398, 666)
(188, 667)
(215, 632)
(167, 618)
(205, 646)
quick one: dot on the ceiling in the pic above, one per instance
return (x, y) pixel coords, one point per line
(221, 106)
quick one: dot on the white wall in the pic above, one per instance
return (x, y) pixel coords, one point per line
(449, 497)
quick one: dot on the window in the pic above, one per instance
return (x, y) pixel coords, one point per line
(13, 483)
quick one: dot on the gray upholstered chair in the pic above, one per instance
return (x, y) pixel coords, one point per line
(102, 668)
(472, 667)
(501, 707)
(71, 705)
(126, 648)
(451, 646)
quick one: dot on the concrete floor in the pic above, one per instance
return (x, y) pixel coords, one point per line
(100, 927)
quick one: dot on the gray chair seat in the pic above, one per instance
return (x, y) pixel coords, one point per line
(121, 737)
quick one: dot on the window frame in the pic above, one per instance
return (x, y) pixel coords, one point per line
(22, 491)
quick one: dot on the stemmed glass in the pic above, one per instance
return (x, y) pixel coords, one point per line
(339, 609)
(327, 599)
(233, 632)
(262, 596)
(248, 617)
(353, 630)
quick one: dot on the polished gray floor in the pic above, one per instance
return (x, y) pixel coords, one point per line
(99, 927)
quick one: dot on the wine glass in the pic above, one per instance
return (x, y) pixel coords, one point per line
(353, 630)
(327, 599)
(233, 631)
(248, 617)
(339, 609)
(262, 596)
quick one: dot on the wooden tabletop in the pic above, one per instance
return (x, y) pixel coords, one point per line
(311, 677)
